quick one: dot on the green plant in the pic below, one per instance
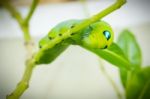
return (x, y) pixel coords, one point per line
(136, 82)
(51, 47)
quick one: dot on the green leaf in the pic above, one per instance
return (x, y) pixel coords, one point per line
(138, 86)
(131, 49)
(123, 76)
(113, 54)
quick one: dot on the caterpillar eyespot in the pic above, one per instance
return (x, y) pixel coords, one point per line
(98, 35)
(107, 34)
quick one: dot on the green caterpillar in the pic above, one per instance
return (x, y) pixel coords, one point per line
(97, 35)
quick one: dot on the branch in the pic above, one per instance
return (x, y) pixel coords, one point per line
(30, 63)
(14, 13)
(110, 80)
(24, 83)
(30, 13)
(23, 23)
(108, 10)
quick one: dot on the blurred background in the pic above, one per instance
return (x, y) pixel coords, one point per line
(76, 73)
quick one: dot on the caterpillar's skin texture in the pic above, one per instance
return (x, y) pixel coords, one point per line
(97, 35)
(58, 32)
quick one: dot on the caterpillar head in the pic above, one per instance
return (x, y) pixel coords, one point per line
(98, 35)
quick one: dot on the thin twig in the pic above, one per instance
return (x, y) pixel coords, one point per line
(14, 13)
(147, 84)
(30, 63)
(102, 68)
(32, 9)
(24, 83)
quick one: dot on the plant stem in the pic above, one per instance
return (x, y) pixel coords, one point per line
(102, 68)
(32, 9)
(24, 83)
(14, 13)
(144, 89)
(30, 63)
(23, 23)
(108, 10)
(26, 33)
